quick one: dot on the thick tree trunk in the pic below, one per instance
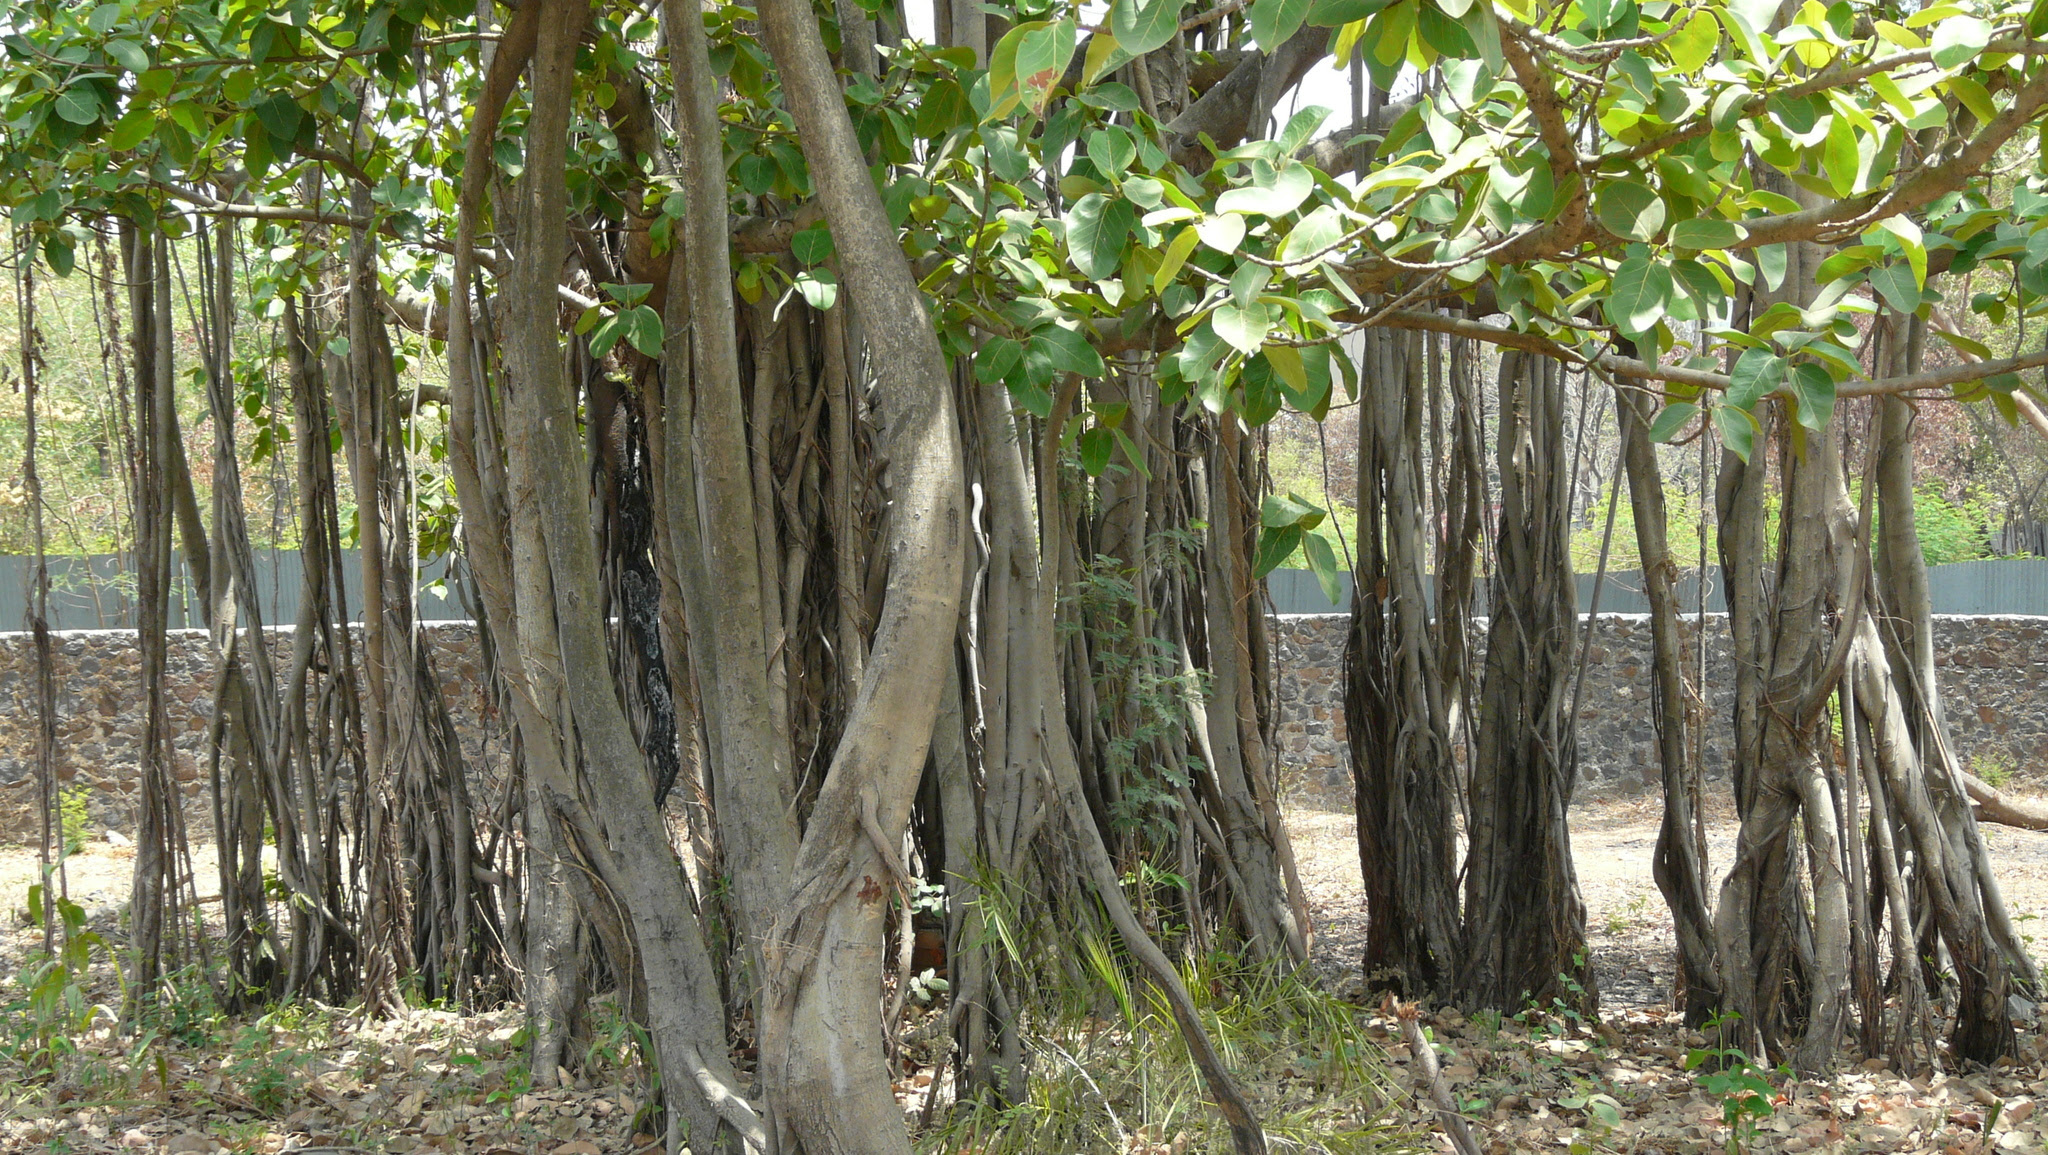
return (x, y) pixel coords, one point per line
(161, 871)
(1525, 925)
(561, 639)
(1402, 760)
(1786, 964)
(828, 1089)
(1956, 872)
(1680, 866)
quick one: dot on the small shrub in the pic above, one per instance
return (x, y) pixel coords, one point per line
(73, 818)
(51, 1008)
(1744, 1088)
(1994, 766)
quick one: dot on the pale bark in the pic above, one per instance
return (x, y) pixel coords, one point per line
(598, 780)
(1680, 866)
(819, 1037)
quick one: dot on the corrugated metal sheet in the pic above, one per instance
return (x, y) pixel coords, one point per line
(1997, 586)
(97, 592)
(2016, 586)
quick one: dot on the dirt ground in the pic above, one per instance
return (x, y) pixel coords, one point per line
(433, 1081)
(1529, 1086)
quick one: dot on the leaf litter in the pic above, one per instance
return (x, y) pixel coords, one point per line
(316, 1080)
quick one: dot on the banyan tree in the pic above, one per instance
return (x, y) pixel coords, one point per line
(855, 420)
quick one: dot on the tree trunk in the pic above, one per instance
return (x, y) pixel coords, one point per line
(1402, 759)
(1680, 866)
(827, 1087)
(597, 776)
(1956, 871)
(1525, 925)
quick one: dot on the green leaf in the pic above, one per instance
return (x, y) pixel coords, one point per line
(1770, 259)
(129, 55)
(1112, 150)
(1313, 397)
(1287, 365)
(812, 246)
(1443, 33)
(1177, 252)
(1638, 295)
(1974, 97)
(1337, 13)
(1958, 39)
(1756, 372)
(997, 359)
(1674, 418)
(1096, 444)
(944, 108)
(1032, 398)
(1701, 283)
(1813, 388)
(1842, 158)
(1244, 326)
(1280, 510)
(1706, 233)
(819, 287)
(1067, 351)
(606, 335)
(1273, 192)
(1912, 241)
(1630, 209)
(1317, 230)
(756, 174)
(1300, 127)
(1042, 57)
(1274, 21)
(58, 251)
(1737, 429)
(132, 129)
(281, 117)
(1097, 228)
(1968, 345)
(1694, 43)
(1275, 547)
(1003, 94)
(643, 330)
(1222, 232)
(1323, 563)
(79, 104)
(1143, 25)
(1895, 284)
(1104, 53)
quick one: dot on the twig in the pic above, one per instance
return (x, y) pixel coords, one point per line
(1212, 15)
(1424, 1055)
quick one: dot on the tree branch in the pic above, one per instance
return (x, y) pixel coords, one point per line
(1675, 374)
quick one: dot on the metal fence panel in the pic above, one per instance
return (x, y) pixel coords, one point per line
(98, 592)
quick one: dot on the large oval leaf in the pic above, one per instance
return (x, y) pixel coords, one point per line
(1143, 25)
(1629, 209)
(1638, 295)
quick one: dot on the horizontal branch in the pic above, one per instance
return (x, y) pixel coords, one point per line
(1640, 370)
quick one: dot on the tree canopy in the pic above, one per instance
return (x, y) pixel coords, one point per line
(826, 303)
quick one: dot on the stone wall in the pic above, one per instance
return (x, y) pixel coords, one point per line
(1994, 677)
(101, 714)
(1993, 672)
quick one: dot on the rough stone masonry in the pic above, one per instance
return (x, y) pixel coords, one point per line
(1993, 672)
(1994, 682)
